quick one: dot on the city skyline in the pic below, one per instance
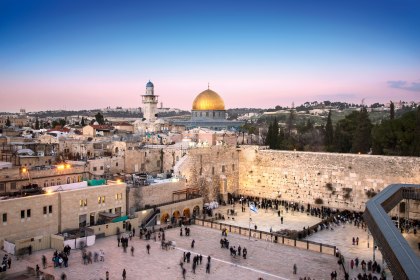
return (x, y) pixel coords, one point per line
(85, 55)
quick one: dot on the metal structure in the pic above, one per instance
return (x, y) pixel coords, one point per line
(401, 259)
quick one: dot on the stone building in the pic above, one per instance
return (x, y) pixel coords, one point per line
(14, 179)
(208, 111)
(56, 211)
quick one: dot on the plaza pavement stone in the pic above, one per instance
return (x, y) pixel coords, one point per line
(266, 260)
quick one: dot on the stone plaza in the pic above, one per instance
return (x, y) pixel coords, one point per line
(266, 260)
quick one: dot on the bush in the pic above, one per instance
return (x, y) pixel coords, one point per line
(319, 200)
(329, 186)
(371, 193)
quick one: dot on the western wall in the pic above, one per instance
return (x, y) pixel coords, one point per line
(344, 181)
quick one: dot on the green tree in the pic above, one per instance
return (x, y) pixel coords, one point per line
(362, 139)
(8, 123)
(329, 133)
(344, 131)
(272, 139)
(290, 122)
(391, 111)
(36, 123)
(415, 150)
(100, 118)
(399, 136)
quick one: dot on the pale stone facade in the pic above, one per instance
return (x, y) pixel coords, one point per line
(345, 181)
(340, 180)
(214, 170)
(155, 194)
(50, 213)
(12, 180)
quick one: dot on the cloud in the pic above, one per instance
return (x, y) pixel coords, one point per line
(413, 86)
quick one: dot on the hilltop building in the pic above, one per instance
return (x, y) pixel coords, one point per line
(208, 111)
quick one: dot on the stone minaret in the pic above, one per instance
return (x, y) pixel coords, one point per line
(150, 101)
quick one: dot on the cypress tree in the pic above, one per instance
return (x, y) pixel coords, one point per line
(391, 111)
(329, 133)
(362, 138)
(37, 123)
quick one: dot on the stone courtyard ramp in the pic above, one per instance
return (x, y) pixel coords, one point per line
(402, 261)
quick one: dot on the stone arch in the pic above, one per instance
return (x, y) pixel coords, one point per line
(196, 210)
(68, 180)
(176, 214)
(187, 213)
(164, 218)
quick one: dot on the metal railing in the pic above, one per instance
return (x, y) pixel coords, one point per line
(271, 237)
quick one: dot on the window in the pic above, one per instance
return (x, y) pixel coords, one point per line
(102, 168)
(22, 214)
(103, 199)
(201, 170)
(28, 213)
(45, 210)
(212, 170)
(68, 180)
(223, 168)
(2, 187)
(99, 200)
(116, 164)
(13, 186)
(233, 167)
(94, 168)
(158, 163)
(50, 209)
(83, 202)
(4, 217)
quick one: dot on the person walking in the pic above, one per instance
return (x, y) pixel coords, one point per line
(208, 268)
(294, 269)
(132, 251)
(124, 274)
(9, 262)
(107, 275)
(44, 261)
(148, 248)
(192, 244)
(184, 271)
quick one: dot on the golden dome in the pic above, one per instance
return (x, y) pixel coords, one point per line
(208, 100)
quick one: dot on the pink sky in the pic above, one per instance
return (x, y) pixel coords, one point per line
(40, 93)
